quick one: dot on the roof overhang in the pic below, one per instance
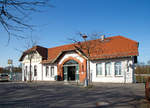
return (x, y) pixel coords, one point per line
(26, 53)
(61, 53)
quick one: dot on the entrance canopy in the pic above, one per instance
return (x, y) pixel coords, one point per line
(71, 63)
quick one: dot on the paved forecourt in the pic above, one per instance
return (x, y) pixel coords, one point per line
(60, 95)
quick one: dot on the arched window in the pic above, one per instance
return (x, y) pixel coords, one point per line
(71, 62)
(118, 68)
(108, 69)
(52, 71)
(35, 70)
(26, 70)
(47, 71)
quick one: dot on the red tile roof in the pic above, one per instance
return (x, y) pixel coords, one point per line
(111, 47)
(41, 50)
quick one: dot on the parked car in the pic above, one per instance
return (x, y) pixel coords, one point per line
(4, 77)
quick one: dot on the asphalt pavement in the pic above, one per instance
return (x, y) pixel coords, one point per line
(60, 95)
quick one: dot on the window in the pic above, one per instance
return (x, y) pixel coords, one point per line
(26, 70)
(99, 69)
(70, 62)
(52, 71)
(35, 70)
(118, 68)
(108, 69)
(47, 71)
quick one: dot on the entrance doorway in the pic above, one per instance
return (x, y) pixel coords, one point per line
(71, 71)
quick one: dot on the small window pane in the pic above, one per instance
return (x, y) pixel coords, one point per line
(108, 69)
(118, 68)
(71, 62)
(99, 69)
(47, 69)
(52, 71)
(26, 70)
(35, 70)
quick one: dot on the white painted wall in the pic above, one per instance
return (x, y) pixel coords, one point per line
(36, 60)
(49, 77)
(126, 77)
(41, 69)
(127, 69)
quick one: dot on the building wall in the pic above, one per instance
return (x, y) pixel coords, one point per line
(36, 60)
(126, 67)
(49, 77)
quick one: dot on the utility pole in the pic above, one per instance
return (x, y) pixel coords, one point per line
(87, 80)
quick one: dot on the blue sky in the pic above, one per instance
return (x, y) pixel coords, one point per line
(130, 18)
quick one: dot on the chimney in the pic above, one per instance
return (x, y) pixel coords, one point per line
(102, 37)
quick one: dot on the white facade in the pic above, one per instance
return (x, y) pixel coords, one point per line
(126, 76)
(48, 72)
(51, 72)
(26, 67)
(41, 69)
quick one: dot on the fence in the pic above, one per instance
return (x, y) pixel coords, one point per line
(141, 78)
(17, 76)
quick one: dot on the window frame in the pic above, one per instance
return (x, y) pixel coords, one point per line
(26, 70)
(119, 69)
(110, 66)
(47, 71)
(35, 70)
(101, 69)
(52, 71)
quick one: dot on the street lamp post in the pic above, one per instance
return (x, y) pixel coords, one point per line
(86, 80)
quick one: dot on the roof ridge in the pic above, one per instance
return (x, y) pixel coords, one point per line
(81, 42)
(60, 46)
(39, 46)
(127, 38)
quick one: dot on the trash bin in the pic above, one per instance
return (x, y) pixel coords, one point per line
(57, 77)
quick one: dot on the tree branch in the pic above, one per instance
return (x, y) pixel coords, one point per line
(13, 12)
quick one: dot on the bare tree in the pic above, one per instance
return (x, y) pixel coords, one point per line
(13, 14)
(86, 47)
(30, 43)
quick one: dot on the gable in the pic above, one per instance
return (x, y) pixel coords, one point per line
(72, 55)
(41, 51)
(36, 58)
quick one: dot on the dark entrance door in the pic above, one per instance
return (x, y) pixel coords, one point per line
(71, 73)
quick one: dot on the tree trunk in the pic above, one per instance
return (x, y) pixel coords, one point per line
(30, 70)
(89, 75)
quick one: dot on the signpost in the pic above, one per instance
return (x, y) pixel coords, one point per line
(10, 63)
